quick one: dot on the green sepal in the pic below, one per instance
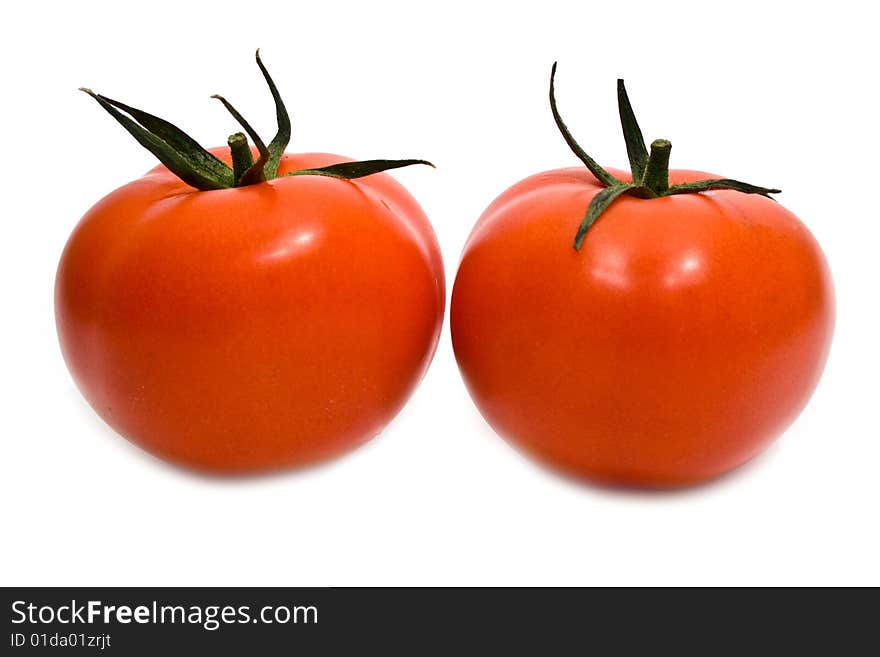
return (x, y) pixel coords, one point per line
(597, 206)
(351, 170)
(282, 137)
(183, 156)
(632, 135)
(650, 171)
(720, 183)
(199, 168)
(603, 176)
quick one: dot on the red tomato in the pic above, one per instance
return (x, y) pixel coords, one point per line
(685, 334)
(251, 328)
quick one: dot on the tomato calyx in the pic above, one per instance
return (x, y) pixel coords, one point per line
(199, 168)
(650, 170)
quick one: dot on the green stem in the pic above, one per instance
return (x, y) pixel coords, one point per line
(242, 158)
(256, 172)
(656, 177)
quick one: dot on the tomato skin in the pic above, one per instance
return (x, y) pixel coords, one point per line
(255, 328)
(686, 334)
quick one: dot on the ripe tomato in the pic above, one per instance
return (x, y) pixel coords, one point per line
(252, 327)
(686, 333)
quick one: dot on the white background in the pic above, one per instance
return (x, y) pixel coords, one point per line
(777, 94)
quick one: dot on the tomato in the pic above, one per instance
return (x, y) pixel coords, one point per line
(686, 332)
(254, 327)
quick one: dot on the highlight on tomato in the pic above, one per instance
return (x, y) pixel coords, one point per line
(243, 309)
(654, 328)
